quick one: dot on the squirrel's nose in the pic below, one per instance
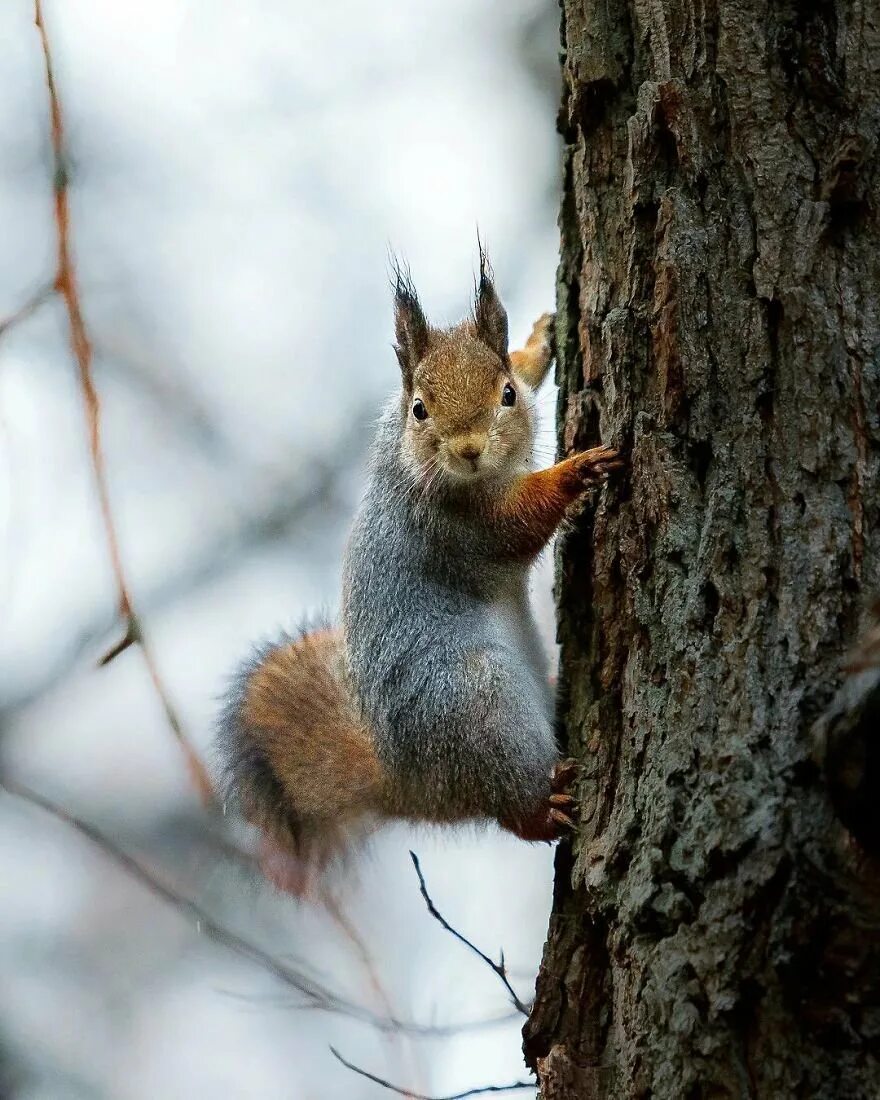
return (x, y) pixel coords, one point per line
(470, 448)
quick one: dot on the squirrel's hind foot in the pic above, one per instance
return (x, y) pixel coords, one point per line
(557, 817)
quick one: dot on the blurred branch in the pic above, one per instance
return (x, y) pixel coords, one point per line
(336, 913)
(348, 930)
(346, 927)
(176, 400)
(318, 997)
(66, 286)
(169, 391)
(498, 968)
(259, 525)
(513, 1087)
(24, 311)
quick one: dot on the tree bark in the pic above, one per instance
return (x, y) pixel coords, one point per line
(716, 920)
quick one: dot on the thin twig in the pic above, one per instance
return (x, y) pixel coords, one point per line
(65, 283)
(318, 997)
(499, 968)
(514, 1086)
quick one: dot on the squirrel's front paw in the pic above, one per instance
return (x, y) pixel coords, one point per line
(540, 339)
(596, 464)
(533, 360)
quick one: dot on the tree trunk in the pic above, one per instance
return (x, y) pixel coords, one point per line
(716, 921)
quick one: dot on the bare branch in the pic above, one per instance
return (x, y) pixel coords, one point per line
(125, 642)
(317, 996)
(514, 1086)
(499, 968)
(65, 284)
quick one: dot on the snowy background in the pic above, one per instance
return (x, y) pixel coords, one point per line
(238, 172)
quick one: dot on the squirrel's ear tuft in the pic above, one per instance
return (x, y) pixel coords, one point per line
(410, 326)
(490, 316)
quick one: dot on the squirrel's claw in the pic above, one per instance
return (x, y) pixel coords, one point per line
(554, 818)
(563, 775)
(560, 818)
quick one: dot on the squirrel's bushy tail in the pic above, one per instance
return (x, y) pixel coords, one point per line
(299, 762)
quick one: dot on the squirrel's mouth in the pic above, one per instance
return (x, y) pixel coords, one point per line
(466, 469)
(467, 457)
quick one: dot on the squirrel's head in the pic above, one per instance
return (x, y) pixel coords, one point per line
(467, 416)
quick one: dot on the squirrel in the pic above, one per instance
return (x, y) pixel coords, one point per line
(431, 700)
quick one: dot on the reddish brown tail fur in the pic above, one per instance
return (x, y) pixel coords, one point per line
(299, 759)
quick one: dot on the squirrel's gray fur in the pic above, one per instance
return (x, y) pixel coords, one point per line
(442, 648)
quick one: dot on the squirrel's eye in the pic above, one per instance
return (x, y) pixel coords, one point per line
(508, 395)
(419, 410)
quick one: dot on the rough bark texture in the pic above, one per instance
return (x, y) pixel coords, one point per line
(716, 924)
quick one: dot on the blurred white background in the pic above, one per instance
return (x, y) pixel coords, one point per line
(238, 173)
